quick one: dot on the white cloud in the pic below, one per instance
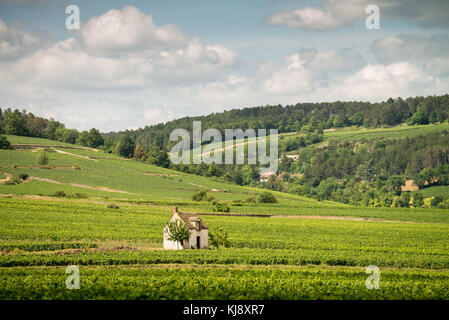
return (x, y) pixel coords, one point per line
(307, 18)
(113, 82)
(428, 52)
(135, 81)
(334, 14)
(306, 70)
(14, 43)
(129, 31)
(294, 78)
(378, 82)
(136, 54)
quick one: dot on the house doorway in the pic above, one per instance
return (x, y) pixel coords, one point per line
(198, 242)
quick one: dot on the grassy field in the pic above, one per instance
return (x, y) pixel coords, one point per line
(339, 134)
(442, 191)
(307, 250)
(402, 131)
(221, 282)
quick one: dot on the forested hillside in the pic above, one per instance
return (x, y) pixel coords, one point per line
(355, 166)
(291, 118)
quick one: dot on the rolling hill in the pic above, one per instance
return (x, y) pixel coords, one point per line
(62, 213)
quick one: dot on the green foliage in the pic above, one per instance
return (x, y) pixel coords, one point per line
(310, 116)
(177, 231)
(251, 200)
(219, 237)
(231, 283)
(125, 146)
(79, 195)
(13, 180)
(69, 136)
(59, 194)
(419, 117)
(4, 143)
(33, 246)
(43, 158)
(158, 157)
(202, 196)
(14, 123)
(317, 258)
(266, 197)
(91, 138)
(23, 176)
(140, 154)
(220, 206)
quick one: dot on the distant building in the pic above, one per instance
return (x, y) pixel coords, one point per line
(265, 176)
(293, 157)
(409, 186)
(199, 233)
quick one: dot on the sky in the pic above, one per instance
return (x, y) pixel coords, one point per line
(138, 63)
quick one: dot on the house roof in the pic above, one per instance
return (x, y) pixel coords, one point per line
(189, 219)
(267, 174)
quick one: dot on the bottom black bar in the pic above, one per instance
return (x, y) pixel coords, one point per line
(222, 309)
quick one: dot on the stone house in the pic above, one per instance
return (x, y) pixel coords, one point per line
(265, 176)
(199, 233)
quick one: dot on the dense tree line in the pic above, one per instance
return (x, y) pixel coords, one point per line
(22, 123)
(368, 159)
(292, 118)
(369, 172)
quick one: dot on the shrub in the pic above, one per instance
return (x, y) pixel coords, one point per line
(23, 176)
(42, 158)
(436, 201)
(199, 196)
(220, 206)
(219, 237)
(444, 204)
(113, 206)
(177, 231)
(4, 143)
(78, 195)
(13, 180)
(59, 194)
(266, 197)
(251, 200)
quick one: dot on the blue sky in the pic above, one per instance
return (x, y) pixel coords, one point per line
(146, 62)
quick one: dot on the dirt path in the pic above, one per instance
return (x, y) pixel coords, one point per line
(198, 185)
(80, 185)
(233, 146)
(39, 146)
(47, 167)
(151, 174)
(316, 217)
(76, 155)
(335, 218)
